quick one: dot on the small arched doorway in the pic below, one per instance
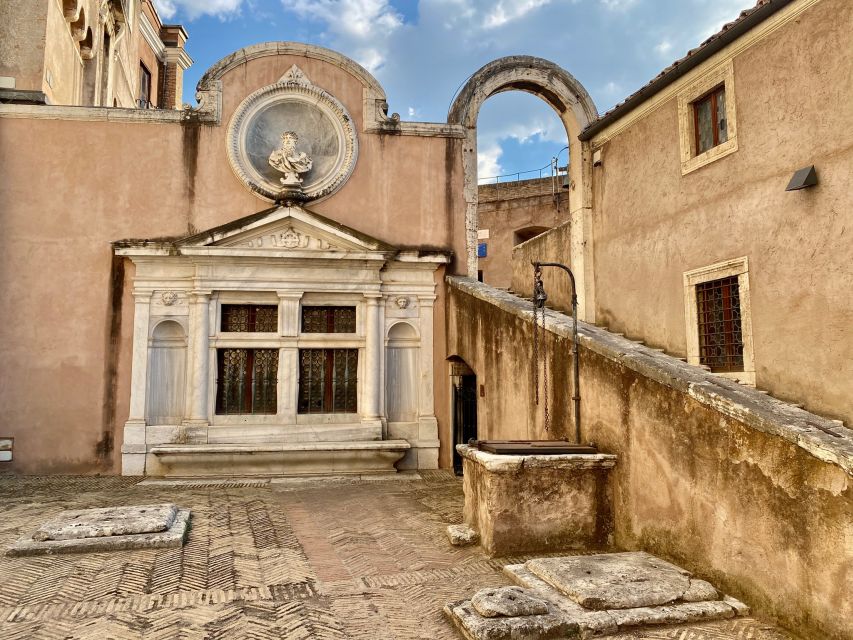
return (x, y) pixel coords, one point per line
(464, 395)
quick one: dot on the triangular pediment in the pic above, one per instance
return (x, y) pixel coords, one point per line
(290, 229)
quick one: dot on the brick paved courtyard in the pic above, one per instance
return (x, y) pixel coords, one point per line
(319, 559)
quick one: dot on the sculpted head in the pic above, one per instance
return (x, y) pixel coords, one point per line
(289, 140)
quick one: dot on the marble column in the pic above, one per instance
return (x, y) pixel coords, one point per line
(371, 395)
(133, 439)
(199, 366)
(288, 356)
(428, 442)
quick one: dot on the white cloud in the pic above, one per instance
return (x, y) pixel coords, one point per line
(507, 10)
(359, 27)
(618, 5)
(663, 47)
(194, 8)
(488, 164)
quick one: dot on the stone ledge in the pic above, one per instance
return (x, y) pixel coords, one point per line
(822, 438)
(498, 463)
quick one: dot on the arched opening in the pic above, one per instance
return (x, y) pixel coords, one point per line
(401, 374)
(521, 143)
(70, 9)
(78, 27)
(573, 105)
(166, 374)
(527, 233)
(463, 382)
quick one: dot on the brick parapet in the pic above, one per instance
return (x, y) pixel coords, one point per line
(514, 190)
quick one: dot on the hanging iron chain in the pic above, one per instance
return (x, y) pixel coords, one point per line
(539, 298)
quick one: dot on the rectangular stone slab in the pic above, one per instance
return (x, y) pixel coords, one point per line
(110, 521)
(614, 580)
(173, 537)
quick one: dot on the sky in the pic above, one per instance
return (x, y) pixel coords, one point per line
(423, 51)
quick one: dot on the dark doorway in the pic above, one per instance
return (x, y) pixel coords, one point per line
(464, 414)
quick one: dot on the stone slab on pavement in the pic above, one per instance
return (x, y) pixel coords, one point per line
(110, 521)
(172, 537)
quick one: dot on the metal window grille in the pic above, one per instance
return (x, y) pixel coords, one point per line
(247, 381)
(328, 319)
(240, 318)
(720, 332)
(328, 381)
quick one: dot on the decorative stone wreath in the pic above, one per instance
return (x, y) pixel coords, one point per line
(326, 132)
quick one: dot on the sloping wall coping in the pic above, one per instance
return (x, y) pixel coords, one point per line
(511, 463)
(822, 438)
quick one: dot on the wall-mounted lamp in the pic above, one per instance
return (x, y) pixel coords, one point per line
(803, 178)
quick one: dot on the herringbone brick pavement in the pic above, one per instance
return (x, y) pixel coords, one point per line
(314, 560)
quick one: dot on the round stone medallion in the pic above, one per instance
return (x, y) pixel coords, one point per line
(296, 110)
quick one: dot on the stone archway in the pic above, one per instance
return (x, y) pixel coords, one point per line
(575, 108)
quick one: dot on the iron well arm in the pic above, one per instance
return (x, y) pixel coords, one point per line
(576, 391)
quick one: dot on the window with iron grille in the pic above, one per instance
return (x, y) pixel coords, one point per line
(252, 318)
(709, 120)
(246, 381)
(719, 324)
(328, 381)
(328, 319)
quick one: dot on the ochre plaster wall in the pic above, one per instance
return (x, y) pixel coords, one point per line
(793, 96)
(505, 208)
(554, 246)
(71, 187)
(62, 58)
(750, 511)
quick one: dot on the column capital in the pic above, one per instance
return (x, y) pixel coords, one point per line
(141, 295)
(373, 297)
(200, 294)
(290, 295)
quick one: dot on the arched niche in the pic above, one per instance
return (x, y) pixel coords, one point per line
(167, 353)
(575, 108)
(70, 9)
(402, 365)
(78, 27)
(527, 233)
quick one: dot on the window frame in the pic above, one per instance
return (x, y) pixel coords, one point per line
(711, 96)
(144, 72)
(720, 77)
(735, 267)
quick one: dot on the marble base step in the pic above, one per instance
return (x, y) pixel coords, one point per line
(271, 459)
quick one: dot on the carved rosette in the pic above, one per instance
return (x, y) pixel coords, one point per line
(324, 127)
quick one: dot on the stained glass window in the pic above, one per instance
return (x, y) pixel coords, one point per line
(328, 319)
(250, 318)
(247, 381)
(720, 333)
(709, 115)
(328, 381)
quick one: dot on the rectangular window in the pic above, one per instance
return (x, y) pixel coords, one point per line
(328, 319)
(144, 101)
(709, 118)
(328, 381)
(246, 381)
(719, 324)
(251, 318)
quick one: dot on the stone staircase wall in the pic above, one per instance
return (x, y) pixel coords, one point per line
(751, 493)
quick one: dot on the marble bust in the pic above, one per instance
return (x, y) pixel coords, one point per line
(286, 160)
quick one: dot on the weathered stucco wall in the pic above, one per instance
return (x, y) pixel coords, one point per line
(23, 26)
(793, 94)
(553, 246)
(72, 184)
(745, 490)
(505, 209)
